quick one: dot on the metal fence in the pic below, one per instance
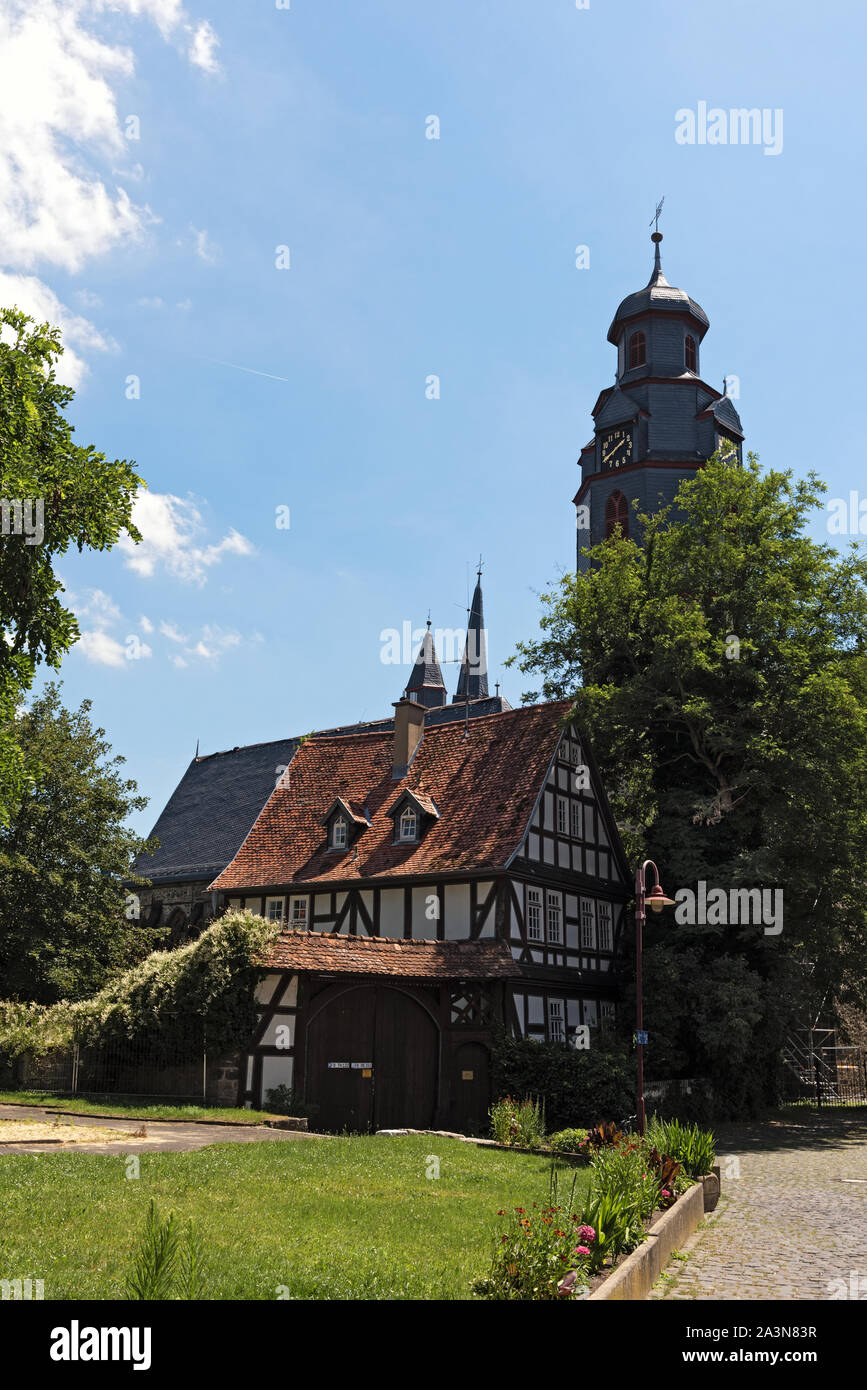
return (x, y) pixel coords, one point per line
(819, 1071)
(137, 1068)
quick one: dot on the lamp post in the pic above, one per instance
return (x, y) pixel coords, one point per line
(657, 900)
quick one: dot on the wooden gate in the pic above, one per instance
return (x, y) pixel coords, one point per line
(372, 1061)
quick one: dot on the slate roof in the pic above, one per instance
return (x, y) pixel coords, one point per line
(657, 295)
(484, 780)
(617, 408)
(209, 813)
(329, 953)
(212, 808)
(426, 681)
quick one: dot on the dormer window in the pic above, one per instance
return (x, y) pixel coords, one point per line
(413, 813)
(338, 833)
(689, 353)
(637, 350)
(408, 826)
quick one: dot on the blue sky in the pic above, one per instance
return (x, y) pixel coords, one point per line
(261, 127)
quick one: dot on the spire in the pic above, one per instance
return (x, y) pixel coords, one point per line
(657, 278)
(473, 680)
(426, 684)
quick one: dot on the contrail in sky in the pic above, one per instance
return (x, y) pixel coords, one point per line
(251, 370)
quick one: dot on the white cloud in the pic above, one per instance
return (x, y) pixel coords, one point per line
(155, 303)
(87, 300)
(172, 531)
(145, 624)
(213, 642)
(206, 250)
(184, 304)
(203, 47)
(178, 661)
(61, 134)
(174, 634)
(102, 650)
(79, 334)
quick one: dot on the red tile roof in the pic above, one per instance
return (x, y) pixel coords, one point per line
(484, 779)
(328, 953)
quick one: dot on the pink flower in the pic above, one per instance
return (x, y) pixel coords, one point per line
(665, 1192)
(587, 1232)
(581, 1250)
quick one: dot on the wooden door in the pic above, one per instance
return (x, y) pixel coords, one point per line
(384, 1027)
(339, 1062)
(406, 1062)
(471, 1088)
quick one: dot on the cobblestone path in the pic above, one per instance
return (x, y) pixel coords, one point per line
(792, 1223)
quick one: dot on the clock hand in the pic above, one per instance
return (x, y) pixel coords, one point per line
(611, 452)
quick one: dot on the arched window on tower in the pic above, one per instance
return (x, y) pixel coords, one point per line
(689, 353)
(637, 350)
(616, 514)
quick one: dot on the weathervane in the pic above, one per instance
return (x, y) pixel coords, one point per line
(655, 217)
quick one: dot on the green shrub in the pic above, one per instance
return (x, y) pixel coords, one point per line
(172, 1000)
(693, 1148)
(568, 1141)
(518, 1122)
(282, 1100)
(576, 1087)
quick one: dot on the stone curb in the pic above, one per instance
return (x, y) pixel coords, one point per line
(636, 1276)
(154, 1120)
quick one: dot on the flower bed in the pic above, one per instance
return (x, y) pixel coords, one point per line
(556, 1252)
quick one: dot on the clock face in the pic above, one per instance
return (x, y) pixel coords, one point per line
(616, 448)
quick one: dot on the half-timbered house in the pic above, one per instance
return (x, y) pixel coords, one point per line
(432, 883)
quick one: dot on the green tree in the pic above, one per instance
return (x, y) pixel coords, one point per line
(70, 495)
(65, 854)
(720, 669)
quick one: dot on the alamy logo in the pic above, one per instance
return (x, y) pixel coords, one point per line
(77, 1343)
(21, 1290)
(736, 907)
(738, 126)
(855, 1288)
(22, 516)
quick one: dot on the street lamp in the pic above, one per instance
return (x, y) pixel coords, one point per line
(656, 900)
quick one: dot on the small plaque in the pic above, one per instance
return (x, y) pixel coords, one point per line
(641, 1037)
(367, 1071)
(467, 1075)
(338, 1066)
(362, 1066)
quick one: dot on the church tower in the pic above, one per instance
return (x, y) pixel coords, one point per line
(660, 421)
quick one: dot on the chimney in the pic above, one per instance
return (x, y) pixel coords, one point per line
(408, 734)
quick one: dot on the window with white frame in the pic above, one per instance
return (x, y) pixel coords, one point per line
(275, 909)
(534, 914)
(555, 918)
(408, 824)
(298, 912)
(588, 924)
(576, 820)
(556, 1021)
(605, 932)
(562, 815)
(338, 834)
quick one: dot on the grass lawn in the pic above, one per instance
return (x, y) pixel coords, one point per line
(332, 1218)
(132, 1108)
